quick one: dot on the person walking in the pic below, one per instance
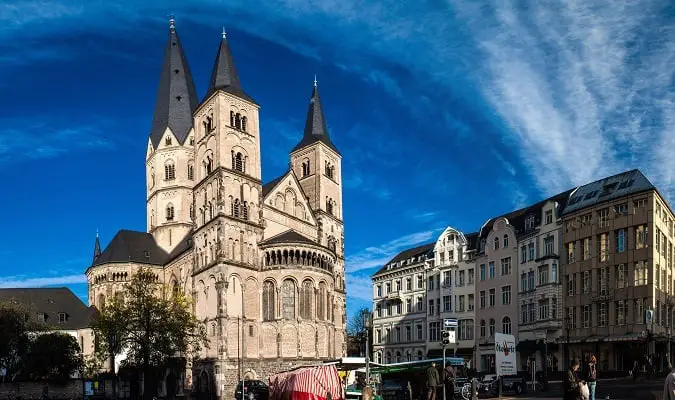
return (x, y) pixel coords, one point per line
(591, 375)
(432, 381)
(572, 390)
(669, 385)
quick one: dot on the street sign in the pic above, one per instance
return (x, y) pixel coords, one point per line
(450, 323)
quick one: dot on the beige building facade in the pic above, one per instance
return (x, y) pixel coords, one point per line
(618, 236)
(263, 262)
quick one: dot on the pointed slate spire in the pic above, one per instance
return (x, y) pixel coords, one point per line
(224, 75)
(97, 248)
(176, 97)
(315, 125)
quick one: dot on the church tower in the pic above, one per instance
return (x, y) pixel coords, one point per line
(318, 165)
(170, 154)
(227, 148)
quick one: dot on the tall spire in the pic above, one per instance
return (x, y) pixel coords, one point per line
(315, 125)
(97, 247)
(176, 96)
(224, 75)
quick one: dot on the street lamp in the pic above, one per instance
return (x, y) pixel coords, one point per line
(367, 319)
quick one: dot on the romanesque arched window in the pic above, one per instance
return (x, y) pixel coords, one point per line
(306, 297)
(192, 212)
(329, 170)
(321, 302)
(243, 123)
(237, 121)
(232, 118)
(238, 161)
(191, 171)
(305, 167)
(208, 164)
(288, 299)
(235, 208)
(169, 171)
(506, 325)
(169, 212)
(329, 206)
(244, 210)
(151, 178)
(268, 301)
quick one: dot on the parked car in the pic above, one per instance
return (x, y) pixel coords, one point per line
(253, 390)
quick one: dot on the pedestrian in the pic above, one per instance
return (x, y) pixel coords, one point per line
(572, 389)
(591, 375)
(669, 385)
(432, 381)
(449, 376)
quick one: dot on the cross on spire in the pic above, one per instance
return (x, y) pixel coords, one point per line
(172, 21)
(315, 81)
(224, 33)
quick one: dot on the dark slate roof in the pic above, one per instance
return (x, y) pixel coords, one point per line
(517, 218)
(289, 236)
(51, 301)
(424, 251)
(471, 240)
(176, 96)
(133, 246)
(97, 248)
(269, 186)
(224, 75)
(315, 126)
(623, 184)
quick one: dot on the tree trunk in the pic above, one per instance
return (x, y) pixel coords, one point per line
(114, 376)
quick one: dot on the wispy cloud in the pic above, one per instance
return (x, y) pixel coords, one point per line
(377, 256)
(30, 139)
(360, 287)
(24, 282)
(423, 216)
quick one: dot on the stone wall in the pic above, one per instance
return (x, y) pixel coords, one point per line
(33, 390)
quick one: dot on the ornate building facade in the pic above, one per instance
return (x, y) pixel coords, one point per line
(264, 263)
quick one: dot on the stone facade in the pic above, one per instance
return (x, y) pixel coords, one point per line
(264, 263)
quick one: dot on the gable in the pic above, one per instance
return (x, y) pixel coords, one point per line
(285, 195)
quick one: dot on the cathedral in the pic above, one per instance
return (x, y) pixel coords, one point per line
(263, 262)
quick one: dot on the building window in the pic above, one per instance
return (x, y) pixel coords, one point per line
(602, 314)
(471, 276)
(492, 269)
(529, 222)
(431, 307)
(62, 317)
(492, 327)
(639, 311)
(408, 284)
(482, 328)
(329, 170)
(420, 332)
(543, 274)
(466, 329)
(641, 273)
(288, 299)
(321, 300)
(603, 244)
(420, 282)
(603, 218)
(169, 171)
(379, 290)
(169, 212)
(586, 321)
(530, 248)
(305, 168)
(408, 333)
(548, 246)
(506, 294)
(620, 240)
(167, 141)
(530, 280)
(482, 299)
(269, 303)
(571, 285)
(191, 172)
(506, 241)
(523, 254)
(447, 305)
(543, 310)
(506, 325)
(496, 243)
(491, 297)
(238, 162)
(506, 266)
(641, 236)
(523, 282)
(620, 312)
(586, 283)
(482, 272)
(434, 331)
(621, 276)
(571, 252)
(549, 217)
(329, 206)
(471, 302)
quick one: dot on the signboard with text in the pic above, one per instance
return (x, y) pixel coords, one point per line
(450, 323)
(505, 354)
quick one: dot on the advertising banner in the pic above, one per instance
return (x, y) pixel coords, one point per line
(505, 354)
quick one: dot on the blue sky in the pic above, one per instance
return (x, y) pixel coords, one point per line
(446, 113)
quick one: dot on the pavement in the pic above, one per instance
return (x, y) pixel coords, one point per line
(613, 389)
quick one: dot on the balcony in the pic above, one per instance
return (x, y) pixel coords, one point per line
(394, 295)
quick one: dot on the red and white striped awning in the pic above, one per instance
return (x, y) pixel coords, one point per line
(311, 383)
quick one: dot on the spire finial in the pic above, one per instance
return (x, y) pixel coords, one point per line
(172, 22)
(224, 33)
(315, 81)
(97, 233)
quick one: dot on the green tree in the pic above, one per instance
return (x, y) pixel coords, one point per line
(52, 357)
(14, 339)
(152, 324)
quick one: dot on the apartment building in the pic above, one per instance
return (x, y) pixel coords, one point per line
(399, 304)
(451, 276)
(540, 289)
(618, 236)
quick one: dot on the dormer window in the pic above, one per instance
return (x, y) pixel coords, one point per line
(63, 317)
(529, 222)
(167, 141)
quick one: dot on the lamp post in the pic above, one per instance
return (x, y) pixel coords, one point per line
(568, 324)
(367, 318)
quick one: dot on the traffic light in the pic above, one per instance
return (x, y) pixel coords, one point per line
(445, 337)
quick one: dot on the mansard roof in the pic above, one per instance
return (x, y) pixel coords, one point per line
(51, 302)
(612, 187)
(416, 255)
(289, 236)
(176, 95)
(133, 246)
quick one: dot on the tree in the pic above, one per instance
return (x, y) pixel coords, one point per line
(356, 332)
(52, 357)
(153, 324)
(14, 338)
